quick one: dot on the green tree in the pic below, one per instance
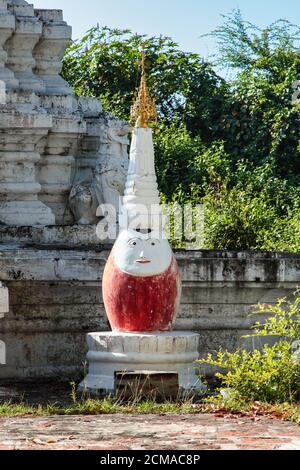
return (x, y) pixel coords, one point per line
(232, 145)
(264, 123)
(105, 64)
(243, 45)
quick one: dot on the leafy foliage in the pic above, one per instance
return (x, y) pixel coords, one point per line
(269, 375)
(178, 153)
(252, 209)
(246, 206)
(242, 44)
(273, 373)
(264, 123)
(233, 146)
(283, 320)
(105, 63)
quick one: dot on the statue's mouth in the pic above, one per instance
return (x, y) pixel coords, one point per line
(143, 261)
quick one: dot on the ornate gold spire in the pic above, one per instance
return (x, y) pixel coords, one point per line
(143, 111)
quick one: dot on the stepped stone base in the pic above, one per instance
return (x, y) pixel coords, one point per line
(112, 353)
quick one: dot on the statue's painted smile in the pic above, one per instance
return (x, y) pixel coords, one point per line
(143, 261)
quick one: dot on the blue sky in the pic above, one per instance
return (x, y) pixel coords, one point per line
(184, 20)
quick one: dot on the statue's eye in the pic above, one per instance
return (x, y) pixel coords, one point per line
(132, 243)
(153, 244)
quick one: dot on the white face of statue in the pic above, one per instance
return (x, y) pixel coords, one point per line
(142, 254)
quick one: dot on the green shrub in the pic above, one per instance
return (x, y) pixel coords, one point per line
(271, 374)
(285, 234)
(243, 218)
(237, 219)
(283, 319)
(184, 162)
(247, 206)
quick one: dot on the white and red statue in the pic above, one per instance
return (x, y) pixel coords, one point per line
(141, 282)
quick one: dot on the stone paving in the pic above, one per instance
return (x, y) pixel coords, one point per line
(147, 432)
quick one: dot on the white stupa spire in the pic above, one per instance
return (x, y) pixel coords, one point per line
(141, 197)
(141, 185)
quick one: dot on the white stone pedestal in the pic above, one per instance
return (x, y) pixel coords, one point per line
(112, 352)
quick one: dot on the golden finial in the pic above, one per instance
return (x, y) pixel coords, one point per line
(143, 110)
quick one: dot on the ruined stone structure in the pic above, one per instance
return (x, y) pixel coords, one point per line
(49, 138)
(59, 156)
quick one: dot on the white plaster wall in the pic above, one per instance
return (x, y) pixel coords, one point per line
(55, 299)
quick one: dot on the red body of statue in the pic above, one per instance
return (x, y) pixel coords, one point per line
(141, 303)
